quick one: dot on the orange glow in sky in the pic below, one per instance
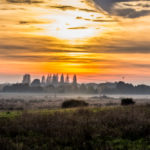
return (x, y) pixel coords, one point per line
(73, 37)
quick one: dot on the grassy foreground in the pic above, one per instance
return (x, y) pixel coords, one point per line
(120, 128)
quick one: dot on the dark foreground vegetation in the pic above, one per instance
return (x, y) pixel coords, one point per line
(117, 128)
(127, 101)
(74, 103)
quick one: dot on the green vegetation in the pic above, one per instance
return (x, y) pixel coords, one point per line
(114, 128)
(9, 114)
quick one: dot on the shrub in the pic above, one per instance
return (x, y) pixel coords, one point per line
(127, 101)
(74, 103)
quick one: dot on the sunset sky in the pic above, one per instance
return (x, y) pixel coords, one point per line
(99, 40)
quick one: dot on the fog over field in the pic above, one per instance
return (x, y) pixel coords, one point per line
(23, 101)
(54, 96)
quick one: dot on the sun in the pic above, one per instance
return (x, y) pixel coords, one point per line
(68, 28)
(69, 25)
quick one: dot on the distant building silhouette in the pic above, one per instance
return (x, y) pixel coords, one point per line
(74, 80)
(62, 79)
(52, 84)
(43, 81)
(49, 79)
(55, 79)
(67, 79)
(26, 79)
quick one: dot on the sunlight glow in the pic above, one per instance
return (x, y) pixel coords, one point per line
(72, 25)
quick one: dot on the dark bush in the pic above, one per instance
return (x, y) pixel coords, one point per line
(74, 103)
(127, 101)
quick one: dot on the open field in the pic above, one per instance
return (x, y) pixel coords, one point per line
(33, 122)
(100, 128)
(28, 101)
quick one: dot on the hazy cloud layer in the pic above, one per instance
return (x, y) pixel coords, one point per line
(65, 8)
(125, 8)
(25, 1)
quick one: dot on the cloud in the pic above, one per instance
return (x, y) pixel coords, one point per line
(65, 8)
(24, 22)
(131, 13)
(50, 50)
(125, 8)
(95, 20)
(77, 28)
(25, 1)
(48, 5)
(87, 10)
(120, 48)
(36, 50)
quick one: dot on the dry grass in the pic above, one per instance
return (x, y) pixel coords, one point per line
(119, 128)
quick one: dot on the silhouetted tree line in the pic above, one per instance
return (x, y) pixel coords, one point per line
(104, 88)
(126, 88)
(22, 88)
(66, 88)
